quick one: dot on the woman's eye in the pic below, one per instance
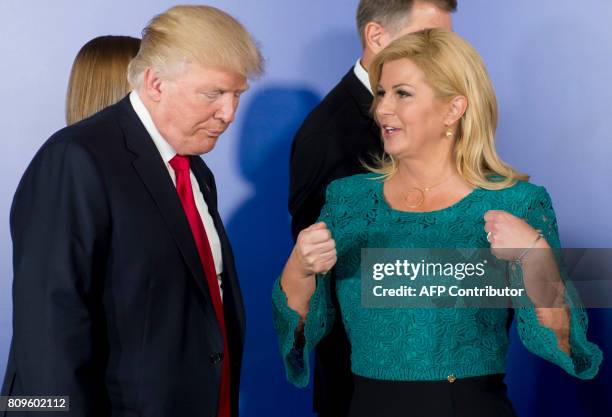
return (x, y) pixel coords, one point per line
(403, 93)
(380, 93)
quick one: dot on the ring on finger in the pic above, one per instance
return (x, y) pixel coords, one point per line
(488, 236)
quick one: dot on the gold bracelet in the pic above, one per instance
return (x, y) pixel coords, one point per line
(522, 255)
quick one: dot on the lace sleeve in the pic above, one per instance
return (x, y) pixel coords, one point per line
(295, 344)
(540, 340)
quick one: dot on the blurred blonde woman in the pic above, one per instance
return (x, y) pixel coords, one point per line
(99, 75)
(440, 184)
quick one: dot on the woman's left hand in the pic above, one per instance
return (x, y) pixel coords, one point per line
(509, 235)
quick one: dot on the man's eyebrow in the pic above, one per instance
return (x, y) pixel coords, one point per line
(241, 89)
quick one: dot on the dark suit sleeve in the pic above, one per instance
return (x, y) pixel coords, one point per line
(308, 180)
(60, 226)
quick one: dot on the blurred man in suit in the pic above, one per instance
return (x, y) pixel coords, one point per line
(125, 293)
(334, 141)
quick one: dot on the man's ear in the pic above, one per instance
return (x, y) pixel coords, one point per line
(456, 109)
(374, 35)
(152, 84)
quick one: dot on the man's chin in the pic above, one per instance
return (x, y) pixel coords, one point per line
(205, 145)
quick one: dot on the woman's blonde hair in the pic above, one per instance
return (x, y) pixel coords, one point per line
(452, 67)
(99, 75)
(201, 34)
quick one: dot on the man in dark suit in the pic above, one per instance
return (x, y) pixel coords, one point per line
(335, 141)
(125, 292)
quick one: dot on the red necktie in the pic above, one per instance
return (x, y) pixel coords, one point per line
(180, 164)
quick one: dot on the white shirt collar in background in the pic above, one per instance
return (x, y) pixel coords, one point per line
(362, 75)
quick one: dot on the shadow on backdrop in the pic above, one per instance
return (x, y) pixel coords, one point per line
(260, 235)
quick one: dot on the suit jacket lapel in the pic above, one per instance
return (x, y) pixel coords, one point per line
(232, 298)
(153, 173)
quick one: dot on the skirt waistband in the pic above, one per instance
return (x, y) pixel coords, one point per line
(480, 396)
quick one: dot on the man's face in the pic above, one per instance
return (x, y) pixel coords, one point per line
(196, 106)
(424, 15)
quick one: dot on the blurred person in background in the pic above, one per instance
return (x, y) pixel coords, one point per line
(99, 75)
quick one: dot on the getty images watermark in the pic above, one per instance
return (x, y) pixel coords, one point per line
(476, 278)
(458, 271)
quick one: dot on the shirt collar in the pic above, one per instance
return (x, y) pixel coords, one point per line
(166, 150)
(362, 75)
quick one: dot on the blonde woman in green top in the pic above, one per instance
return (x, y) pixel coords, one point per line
(440, 184)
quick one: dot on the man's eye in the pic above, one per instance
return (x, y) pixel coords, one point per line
(212, 94)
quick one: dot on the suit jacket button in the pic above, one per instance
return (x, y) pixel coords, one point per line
(216, 357)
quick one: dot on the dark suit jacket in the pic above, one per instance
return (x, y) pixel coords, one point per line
(332, 143)
(110, 305)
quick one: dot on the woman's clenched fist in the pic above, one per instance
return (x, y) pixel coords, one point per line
(315, 250)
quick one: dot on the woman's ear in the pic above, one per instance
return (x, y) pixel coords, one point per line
(456, 109)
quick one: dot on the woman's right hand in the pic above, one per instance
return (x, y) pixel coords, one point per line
(314, 253)
(315, 250)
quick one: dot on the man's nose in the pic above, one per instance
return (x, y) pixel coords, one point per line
(227, 108)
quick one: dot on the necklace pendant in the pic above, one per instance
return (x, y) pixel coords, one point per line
(414, 197)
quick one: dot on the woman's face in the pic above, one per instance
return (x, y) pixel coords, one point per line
(408, 112)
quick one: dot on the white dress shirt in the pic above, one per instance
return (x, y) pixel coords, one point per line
(362, 75)
(167, 153)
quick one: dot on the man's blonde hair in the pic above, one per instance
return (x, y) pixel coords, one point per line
(452, 67)
(201, 34)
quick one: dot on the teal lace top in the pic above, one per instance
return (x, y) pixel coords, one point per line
(422, 344)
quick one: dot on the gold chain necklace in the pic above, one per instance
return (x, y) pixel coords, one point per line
(419, 194)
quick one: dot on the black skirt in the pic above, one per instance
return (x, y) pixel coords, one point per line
(482, 396)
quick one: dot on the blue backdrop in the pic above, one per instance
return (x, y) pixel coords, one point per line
(550, 62)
